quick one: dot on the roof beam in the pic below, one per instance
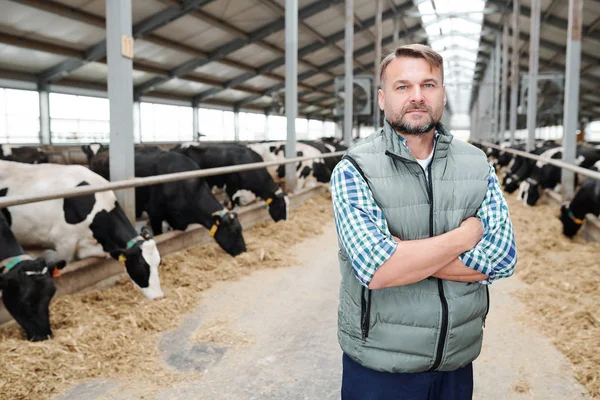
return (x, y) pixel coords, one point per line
(233, 46)
(310, 49)
(97, 51)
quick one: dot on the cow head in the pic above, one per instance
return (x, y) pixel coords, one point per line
(530, 191)
(27, 288)
(93, 149)
(321, 172)
(279, 204)
(141, 260)
(570, 222)
(511, 183)
(227, 231)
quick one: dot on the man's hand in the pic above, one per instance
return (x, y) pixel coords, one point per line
(472, 229)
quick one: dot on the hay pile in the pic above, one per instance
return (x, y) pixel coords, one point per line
(114, 333)
(564, 287)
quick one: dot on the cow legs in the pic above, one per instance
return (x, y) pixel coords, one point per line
(156, 222)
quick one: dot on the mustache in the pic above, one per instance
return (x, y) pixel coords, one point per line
(414, 107)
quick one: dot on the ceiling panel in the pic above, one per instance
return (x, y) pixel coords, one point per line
(219, 71)
(32, 22)
(231, 95)
(254, 55)
(167, 58)
(26, 60)
(183, 87)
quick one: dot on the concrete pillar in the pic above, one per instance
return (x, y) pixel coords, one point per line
(45, 137)
(571, 101)
(267, 118)
(378, 31)
(497, 85)
(119, 45)
(348, 72)
(195, 123)
(504, 88)
(514, 71)
(291, 88)
(236, 124)
(534, 45)
(137, 122)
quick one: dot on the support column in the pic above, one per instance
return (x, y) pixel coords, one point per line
(45, 137)
(571, 101)
(119, 45)
(137, 122)
(236, 124)
(497, 64)
(291, 88)
(514, 72)
(534, 46)
(348, 72)
(266, 134)
(195, 123)
(378, 31)
(504, 89)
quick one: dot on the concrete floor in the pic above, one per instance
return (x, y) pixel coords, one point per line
(285, 320)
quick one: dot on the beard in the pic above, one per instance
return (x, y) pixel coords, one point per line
(416, 128)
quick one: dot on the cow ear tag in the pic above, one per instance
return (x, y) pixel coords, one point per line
(269, 201)
(56, 272)
(122, 259)
(213, 230)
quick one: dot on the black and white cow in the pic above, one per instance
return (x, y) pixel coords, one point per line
(308, 172)
(28, 155)
(79, 227)
(325, 148)
(179, 203)
(26, 283)
(548, 176)
(585, 201)
(520, 168)
(256, 181)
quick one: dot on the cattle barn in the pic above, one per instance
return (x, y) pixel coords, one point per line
(256, 199)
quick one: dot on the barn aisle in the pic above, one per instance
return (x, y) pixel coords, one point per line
(272, 335)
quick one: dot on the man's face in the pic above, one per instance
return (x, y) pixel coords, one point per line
(412, 95)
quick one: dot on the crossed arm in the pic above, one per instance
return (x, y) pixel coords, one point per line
(480, 250)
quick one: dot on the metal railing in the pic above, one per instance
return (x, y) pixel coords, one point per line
(553, 161)
(151, 180)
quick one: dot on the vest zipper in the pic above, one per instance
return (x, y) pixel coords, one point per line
(487, 308)
(444, 328)
(365, 314)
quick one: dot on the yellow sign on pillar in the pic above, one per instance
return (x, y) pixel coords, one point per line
(127, 46)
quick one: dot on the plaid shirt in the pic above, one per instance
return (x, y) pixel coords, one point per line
(363, 230)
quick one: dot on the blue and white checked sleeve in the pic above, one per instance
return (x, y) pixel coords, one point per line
(361, 226)
(364, 234)
(496, 253)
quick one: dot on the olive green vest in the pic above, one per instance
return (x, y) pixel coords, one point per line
(433, 324)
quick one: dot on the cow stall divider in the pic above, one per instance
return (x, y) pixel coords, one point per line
(591, 229)
(93, 272)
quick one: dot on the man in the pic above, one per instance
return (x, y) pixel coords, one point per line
(423, 229)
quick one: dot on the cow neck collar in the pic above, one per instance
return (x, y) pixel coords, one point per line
(270, 199)
(578, 221)
(134, 241)
(10, 262)
(215, 227)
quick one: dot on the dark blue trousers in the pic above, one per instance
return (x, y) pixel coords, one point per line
(360, 383)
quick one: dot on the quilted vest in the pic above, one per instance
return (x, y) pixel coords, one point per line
(433, 324)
